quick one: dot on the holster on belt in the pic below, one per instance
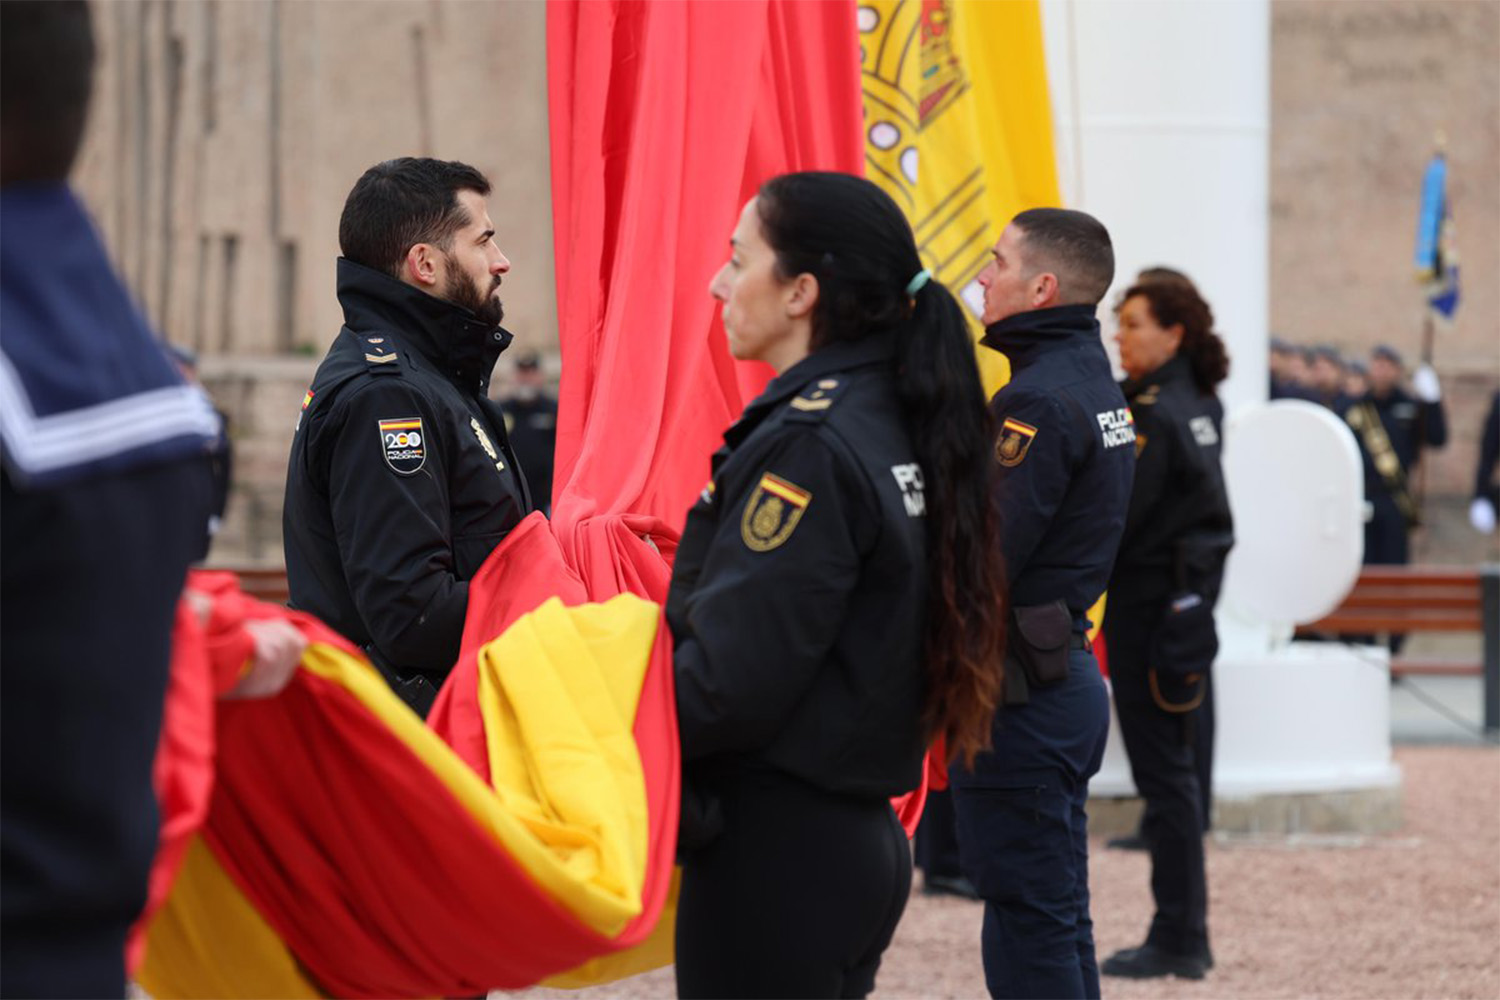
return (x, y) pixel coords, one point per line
(1036, 654)
(411, 686)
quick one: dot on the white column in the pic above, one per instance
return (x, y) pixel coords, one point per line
(1162, 115)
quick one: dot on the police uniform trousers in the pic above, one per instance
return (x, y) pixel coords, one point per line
(1165, 760)
(1023, 836)
(1387, 537)
(798, 896)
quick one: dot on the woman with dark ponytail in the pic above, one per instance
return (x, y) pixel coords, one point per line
(837, 601)
(1159, 625)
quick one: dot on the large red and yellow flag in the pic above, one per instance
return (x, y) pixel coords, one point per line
(526, 831)
(958, 128)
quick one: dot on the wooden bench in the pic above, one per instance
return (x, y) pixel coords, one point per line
(1399, 600)
(267, 584)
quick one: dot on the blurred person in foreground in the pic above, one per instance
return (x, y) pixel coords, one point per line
(107, 494)
(1393, 427)
(837, 598)
(1065, 456)
(1159, 625)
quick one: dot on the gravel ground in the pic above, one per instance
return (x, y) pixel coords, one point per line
(1415, 913)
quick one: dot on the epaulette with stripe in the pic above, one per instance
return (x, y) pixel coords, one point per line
(815, 400)
(380, 356)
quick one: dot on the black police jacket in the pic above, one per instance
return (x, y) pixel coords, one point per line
(1410, 425)
(401, 481)
(798, 591)
(1066, 453)
(1179, 511)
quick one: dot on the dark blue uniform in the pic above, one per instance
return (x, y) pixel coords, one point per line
(106, 498)
(401, 480)
(797, 607)
(1391, 453)
(1485, 484)
(532, 424)
(1066, 451)
(1176, 538)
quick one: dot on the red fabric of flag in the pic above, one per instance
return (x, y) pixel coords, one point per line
(665, 118)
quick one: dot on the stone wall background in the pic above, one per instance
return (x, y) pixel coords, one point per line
(226, 135)
(223, 140)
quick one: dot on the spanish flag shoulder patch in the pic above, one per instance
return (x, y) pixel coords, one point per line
(1015, 440)
(772, 512)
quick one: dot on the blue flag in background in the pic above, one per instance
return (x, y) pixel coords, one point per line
(1436, 256)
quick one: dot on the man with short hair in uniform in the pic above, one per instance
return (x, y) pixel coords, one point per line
(1066, 453)
(401, 480)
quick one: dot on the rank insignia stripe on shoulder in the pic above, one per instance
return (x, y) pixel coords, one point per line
(817, 397)
(772, 512)
(404, 444)
(1015, 442)
(380, 359)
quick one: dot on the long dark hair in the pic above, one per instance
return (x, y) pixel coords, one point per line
(1172, 303)
(852, 237)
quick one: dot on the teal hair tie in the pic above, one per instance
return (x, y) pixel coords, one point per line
(920, 281)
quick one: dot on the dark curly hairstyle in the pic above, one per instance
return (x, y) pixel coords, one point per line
(1179, 304)
(854, 239)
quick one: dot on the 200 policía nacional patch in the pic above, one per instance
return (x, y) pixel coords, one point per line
(772, 512)
(404, 444)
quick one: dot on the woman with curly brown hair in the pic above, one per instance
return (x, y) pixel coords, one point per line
(1159, 626)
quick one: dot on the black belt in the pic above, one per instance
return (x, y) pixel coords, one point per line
(1080, 640)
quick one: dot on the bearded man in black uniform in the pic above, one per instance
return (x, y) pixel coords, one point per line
(402, 480)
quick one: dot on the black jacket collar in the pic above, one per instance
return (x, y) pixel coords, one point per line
(449, 337)
(1175, 370)
(870, 351)
(1026, 336)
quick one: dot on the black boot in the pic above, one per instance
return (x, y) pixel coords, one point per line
(1150, 962)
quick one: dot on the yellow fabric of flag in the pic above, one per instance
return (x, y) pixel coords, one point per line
(958, 129)
(559, 691)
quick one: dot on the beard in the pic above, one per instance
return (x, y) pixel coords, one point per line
(464, 292)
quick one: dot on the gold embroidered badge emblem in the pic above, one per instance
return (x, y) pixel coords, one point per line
(772, 512)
